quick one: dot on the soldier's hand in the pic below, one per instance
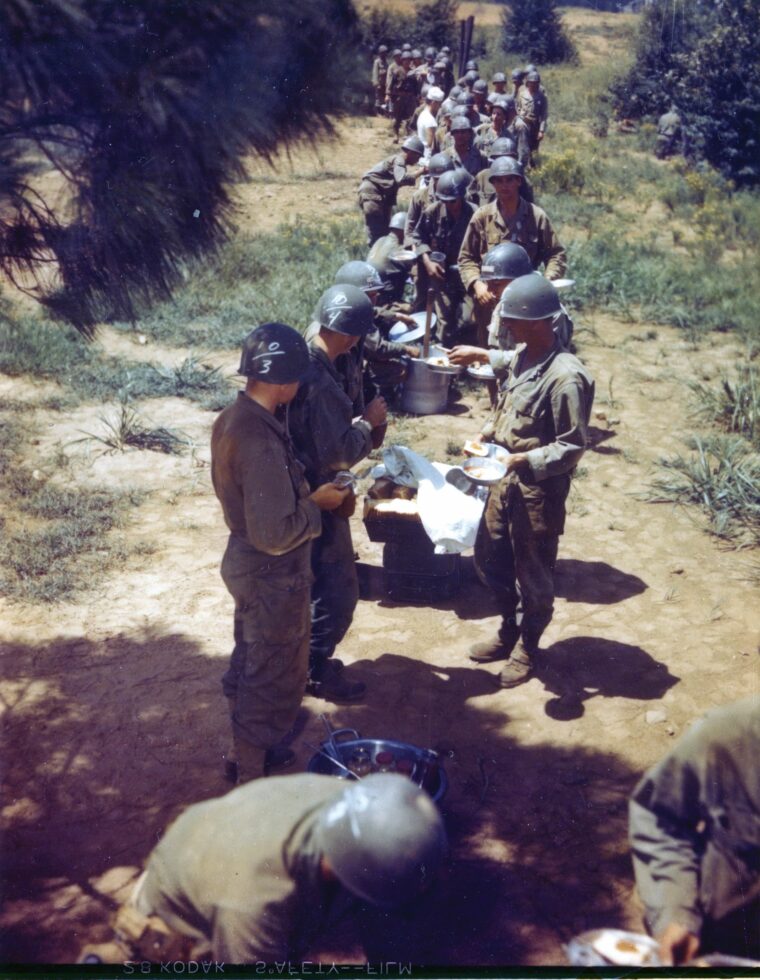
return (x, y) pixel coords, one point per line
(329, 496)
(517, 461)
(677, 945)
(412, 351)
(433, 269)
(464, 354)
(376, 412)
(405, 318)
(483, 294)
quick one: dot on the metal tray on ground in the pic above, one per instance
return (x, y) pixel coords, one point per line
(423, 759)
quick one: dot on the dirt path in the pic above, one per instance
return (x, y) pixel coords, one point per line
(114, 719)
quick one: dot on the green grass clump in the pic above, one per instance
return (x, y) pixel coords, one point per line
(57, 541)
(128, 430)
(276, 276)
(722, 476)
(734, 405)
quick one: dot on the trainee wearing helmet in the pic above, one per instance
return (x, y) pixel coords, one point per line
(531, 297)
(383, 838)
(507, 260)
(274, 353)
(361, 274)
(345, 309)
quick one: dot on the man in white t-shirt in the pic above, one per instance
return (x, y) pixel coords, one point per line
(426, 121)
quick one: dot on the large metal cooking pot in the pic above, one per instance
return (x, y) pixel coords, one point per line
(425, 391)
(425, 761)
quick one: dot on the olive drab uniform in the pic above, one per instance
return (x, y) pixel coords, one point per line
(544, 412)
(473, 161)
(266, 568)
(482, 191)
(377, 194)
(529, 227)
(402, 95)
(240, 874)
(695, 832)
(326, 440)
(534, 111)
(420, 199)
(518, 131)
(379, 80)
(438, 231)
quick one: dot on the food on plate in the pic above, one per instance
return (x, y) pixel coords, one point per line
(475, 448)
(625, 950)
(480, 472)
(439, 361)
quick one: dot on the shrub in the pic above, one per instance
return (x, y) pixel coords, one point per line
(560, 173)
(534, 28)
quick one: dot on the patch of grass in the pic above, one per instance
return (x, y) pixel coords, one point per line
(722, 476)
(58, 541)
(734, 405)
(277, 276)
(128, 430)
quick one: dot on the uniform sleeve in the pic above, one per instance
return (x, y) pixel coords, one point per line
(552, 253)
(276, 519)
(412, 219)
(250, 935)
(377, 348)
(421, 235)
(471, 252)
(523, 144)
(663, 817)
(571, 407)
(336, 443)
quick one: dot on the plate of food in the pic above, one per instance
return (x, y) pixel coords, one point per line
(441, 364)
(481, 372)
(484, 471)
(613, 947)
(405, 333)
(562, 283)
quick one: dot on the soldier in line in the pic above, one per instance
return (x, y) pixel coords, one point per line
(464, 153)
(273, 518)
(450, 101)
(327, 439)
(517, 76)
(533, 107)
(441, 229)
(542, 419)
(402, 91)
(379, 186)
(482, 190)
(499, 83)
(517, 129)
(380, 77)
(508, 218)
(695, 836)
(262, 874)
(488, 132)
(439, 164)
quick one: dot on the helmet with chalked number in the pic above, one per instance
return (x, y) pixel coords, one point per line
(383, 838)
(274, 353)
(361, 274)
(345, 309)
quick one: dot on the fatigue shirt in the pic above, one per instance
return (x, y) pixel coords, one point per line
(437, 231)
(379, 72)
(518, 131)
(242, 871)
(382, 182)
(325, 437)
(419, 201)
(261, 487)
(695, 822)
(473, 161)
(544, 412)
(393, 79)
(534, 109)
(482, 191)
(528, 226)
(485, 135)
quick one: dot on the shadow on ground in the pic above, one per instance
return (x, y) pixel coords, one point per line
(107, 742)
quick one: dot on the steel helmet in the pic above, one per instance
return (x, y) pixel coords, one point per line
(507, 260)
(345, 309)
(460, 123)
(413, 144)
(505, 167)
(416, 53)
(406, 46)
(481, 85)
(274, 353)
(440, 163)
(445, 50)
(455, 91)
(466, 99)
(430, 52)
(363, 275)
(398, 221)
(383, 838)
(530, 297)
(532, 76)
(471, 65)
(471, 77)
(406, 55)
(530, 67)
(499, 76)
(397, 52)
(518, 74)
(453, 185)
(506, 103)
(383, 49)
(502, 147)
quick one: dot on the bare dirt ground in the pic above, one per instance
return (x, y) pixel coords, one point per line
(114, 717)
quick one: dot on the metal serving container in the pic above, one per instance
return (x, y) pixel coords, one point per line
(426, 772)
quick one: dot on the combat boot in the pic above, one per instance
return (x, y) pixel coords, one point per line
(499, 648)
(333, 685)
(251, 761)
(520, 665)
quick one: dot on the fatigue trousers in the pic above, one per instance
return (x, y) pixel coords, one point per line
(482, 314)
(516, 551)
(267, 674)
(377, 216)
(448, 297)
(402, 109)
(334, 593)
